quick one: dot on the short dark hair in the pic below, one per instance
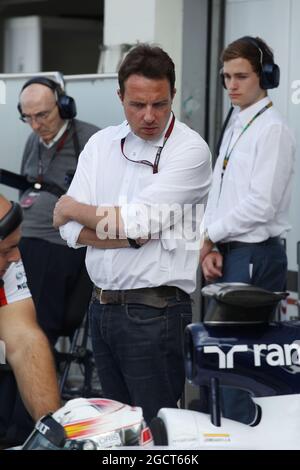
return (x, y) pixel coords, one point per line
(247, 48)
(148, 61)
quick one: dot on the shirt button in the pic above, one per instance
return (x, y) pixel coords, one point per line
(133, 154)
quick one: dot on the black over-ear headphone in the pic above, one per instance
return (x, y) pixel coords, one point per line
(270, 72)
(11, 220)
(66, 104)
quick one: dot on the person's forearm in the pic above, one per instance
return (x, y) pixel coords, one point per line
(30, 358)
(85, 214)
(105, 220)
(89, 237)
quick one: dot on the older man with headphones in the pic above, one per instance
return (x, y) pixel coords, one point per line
(49, 163)
(247, 210)
(26, 347)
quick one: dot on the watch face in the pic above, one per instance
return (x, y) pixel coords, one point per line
(133, 243)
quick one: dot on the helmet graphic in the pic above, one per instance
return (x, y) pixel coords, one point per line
(90, 424)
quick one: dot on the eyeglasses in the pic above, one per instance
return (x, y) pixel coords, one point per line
(37, 117)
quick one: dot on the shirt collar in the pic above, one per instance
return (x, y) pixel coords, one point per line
(57, 137)
(247, 114)
(125, 130)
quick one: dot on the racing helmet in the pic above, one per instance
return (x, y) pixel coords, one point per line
(90, 424)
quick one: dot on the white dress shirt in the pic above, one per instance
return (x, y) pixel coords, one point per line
(105, 178)
(251, 203)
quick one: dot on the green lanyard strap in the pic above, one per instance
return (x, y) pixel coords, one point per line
(228, 154)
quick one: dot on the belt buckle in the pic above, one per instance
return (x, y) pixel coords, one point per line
(108, 298)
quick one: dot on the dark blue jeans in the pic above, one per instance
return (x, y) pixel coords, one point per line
(268, 264)
(269, 271)
(138, 352)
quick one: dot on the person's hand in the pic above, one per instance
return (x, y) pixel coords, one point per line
(212, 266)
(63, 210)
(205, 249)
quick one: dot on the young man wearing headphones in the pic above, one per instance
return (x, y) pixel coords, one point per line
(23, 342)
(49, 163)
(247, 210)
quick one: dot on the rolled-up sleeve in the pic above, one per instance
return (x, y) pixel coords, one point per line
(70, 233)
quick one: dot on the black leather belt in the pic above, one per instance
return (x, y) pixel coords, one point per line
(226, 247)
(158, 297)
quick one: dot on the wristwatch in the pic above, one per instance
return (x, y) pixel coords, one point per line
(133, 243)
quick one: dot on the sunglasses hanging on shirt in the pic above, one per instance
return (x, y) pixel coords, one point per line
(154, 165)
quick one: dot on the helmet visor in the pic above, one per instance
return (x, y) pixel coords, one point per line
(37, 441)
(47, 435)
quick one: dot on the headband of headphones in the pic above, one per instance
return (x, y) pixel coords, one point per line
(66, 104)
(270, 72)
(46, 82)
(11, 220)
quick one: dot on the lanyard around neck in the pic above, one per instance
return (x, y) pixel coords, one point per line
(154, 165)
(228, 153)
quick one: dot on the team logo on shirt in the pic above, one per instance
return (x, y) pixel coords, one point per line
(21, 278)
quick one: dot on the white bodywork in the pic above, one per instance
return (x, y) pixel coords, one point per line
(278, 429)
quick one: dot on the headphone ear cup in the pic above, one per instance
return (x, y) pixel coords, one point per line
(66, 106)
(276, 75)
(270, 76)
